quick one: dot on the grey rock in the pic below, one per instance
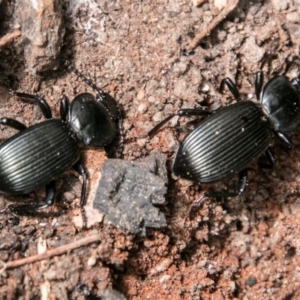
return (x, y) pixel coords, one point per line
(251, 281)
(128, 191)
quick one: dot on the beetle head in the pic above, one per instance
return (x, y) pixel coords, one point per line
(91, 121)
(280, 100)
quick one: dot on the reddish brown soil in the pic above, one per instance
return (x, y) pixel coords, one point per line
(240, 248)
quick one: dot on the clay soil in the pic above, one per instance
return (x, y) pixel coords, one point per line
(150, 56)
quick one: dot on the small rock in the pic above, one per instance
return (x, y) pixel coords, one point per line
(142, 108)
(293, 17)
(162, 266)
(112, 295)
(29, 230)
(8, 241)
(49, 232)
(69, 196)
(251, 51)
(128, 191)
(251, 281)
(280, 5)
(164, 278)
(158, 117)
(17, 229)
(220, 4)
(180, 88)
(92, 261)
(181, 67)
(18, 276)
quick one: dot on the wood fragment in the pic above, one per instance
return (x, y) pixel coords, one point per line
(222, 15)
(53, 252)
(9, 37)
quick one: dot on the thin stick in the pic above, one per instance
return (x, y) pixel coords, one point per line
(205, 32)
(53, 252)
(8, 37)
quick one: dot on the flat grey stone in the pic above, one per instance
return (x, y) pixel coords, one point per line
(128, 192)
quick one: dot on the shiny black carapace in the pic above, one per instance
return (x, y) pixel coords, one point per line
(228, 140)
(37, 155)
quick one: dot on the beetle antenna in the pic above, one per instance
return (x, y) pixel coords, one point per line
(99, 91)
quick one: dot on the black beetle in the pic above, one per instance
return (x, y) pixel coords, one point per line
(37, 155)
(228, 140)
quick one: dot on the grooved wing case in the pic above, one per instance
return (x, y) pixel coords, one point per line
(223, 144)
(35, 156)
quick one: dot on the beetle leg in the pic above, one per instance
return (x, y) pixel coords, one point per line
(193, 112)
(41, 102)
(64, 107)
(195, 204)
(259, 79)
(222, 194)
(232, 88)
(225, 194)
(49, 200)
(110, 151)
(284, 138)
(270, 158)
(78, 167)
(156, 128)
(243, 181)
(258, 83)
(260, 76)
(180, 113)
(13, 123)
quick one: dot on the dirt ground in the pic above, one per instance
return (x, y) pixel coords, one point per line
(155, 57)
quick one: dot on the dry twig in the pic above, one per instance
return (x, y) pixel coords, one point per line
(53, 252)
(8, 37)
(223, 14)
